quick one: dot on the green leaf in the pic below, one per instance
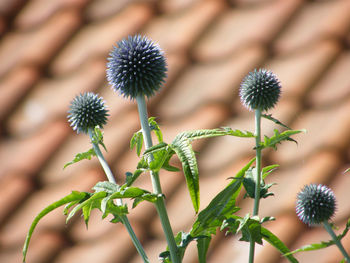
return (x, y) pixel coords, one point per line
(73, 197)
(81, 156)
(278, 138)
(91, 201)
(116, 211)
(221, 207)
(133, 192)
(239, 133)
(207, 133)
(277, 243)
(97, 137)
(131, 177)
(202, 248)
(250, 228)
(269, 117)
(155, 128)
(321, 245)
(249, 183)
(183, 149)
(106, 186)
(268, 170)
(137, 140)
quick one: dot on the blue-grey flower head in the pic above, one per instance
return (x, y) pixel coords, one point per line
(315, 204)
(87, 111)
(136, 66)
(260, 90)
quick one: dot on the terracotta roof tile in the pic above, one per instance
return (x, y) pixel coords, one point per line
(54, 50)
(51, 97)
(13, 232)
(333, 86)
(44, 246)
(115, 246)
(16, 188)
(37, 12)
(7, 7)
(33, 151)
(14, 87)
(298, 72)
(307, 27)
(97, 38)
(177, 32)
(237, 28)
(195, 86)
(39, 45)
(326, 124)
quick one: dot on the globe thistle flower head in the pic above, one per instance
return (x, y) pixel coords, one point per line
(87, 111)
(136, 66)
(315, 204)
(260, 90)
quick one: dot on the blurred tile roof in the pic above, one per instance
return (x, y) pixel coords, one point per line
(51, 51)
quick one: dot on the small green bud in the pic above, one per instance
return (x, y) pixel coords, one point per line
(87, 111)
(260, 90)
(315, 204)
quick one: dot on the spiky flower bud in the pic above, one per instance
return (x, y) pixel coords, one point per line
(87, 111)
(136, 66)
(260, 90)
(315, 204)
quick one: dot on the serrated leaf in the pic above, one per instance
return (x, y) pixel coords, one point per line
(269, 117)
(155, 128)
(117, 211)
(321, 245)
(131, 177)
(133, 192)
(183, 149)
(106, 186)
(251, 229)
(277, 243)
(137, 140)
(95, 197)
(74, 196)
(81, 156)
(97, 137)
(278, 138)
(239, 133)
(222, 205)
(267, 170)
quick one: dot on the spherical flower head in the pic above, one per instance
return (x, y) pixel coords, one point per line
(260, 90)
(86, 112)
(136, 66)
(315, 204)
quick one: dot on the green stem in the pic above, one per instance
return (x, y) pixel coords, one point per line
(123, 218)
(160, 204)
(329, 229)
(258, 176)
(258, 161)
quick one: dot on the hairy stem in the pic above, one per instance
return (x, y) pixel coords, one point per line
(123, 218)
(160, 204)
(258, 176)
(330, 231)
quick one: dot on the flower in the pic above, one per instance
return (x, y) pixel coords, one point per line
(86, 112)
(260, 90)
(315, 204)
(136, 66)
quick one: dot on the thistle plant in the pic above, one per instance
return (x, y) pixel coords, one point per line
(316, 204)
(259, 91)
(137, 69)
